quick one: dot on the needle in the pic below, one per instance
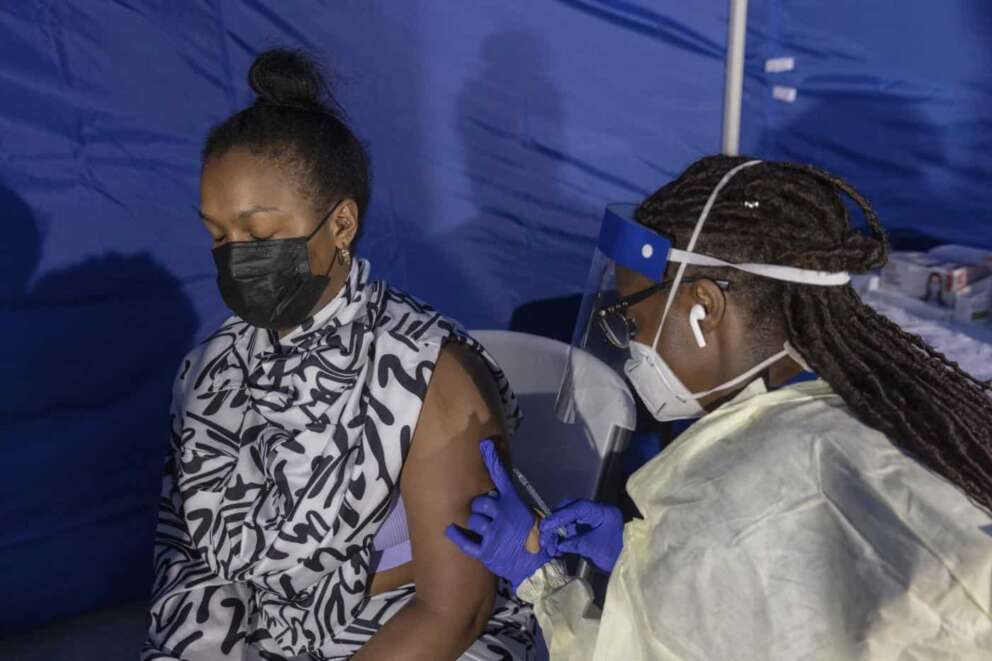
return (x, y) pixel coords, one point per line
(535, 497)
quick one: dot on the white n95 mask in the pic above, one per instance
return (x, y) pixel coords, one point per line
(666, 397)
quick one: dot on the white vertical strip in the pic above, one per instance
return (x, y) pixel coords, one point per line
(734, 84)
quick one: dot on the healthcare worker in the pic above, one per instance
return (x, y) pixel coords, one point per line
(841, 518)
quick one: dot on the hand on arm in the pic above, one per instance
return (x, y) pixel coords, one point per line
(503, 522)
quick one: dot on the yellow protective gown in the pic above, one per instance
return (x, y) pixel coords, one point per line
(780, 527)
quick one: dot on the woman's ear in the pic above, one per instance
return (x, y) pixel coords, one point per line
(344, 223)
(707, 294)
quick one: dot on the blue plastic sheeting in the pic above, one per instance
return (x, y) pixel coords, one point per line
(892, 95)
(498, 132)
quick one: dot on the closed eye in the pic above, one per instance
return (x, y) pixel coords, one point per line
(216, 238)
(213, 229)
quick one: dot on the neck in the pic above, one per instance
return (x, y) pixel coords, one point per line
(338, 278)
(779, 372)
(783, 371)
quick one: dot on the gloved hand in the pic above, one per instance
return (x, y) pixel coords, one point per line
(503, 521)
(592, 530)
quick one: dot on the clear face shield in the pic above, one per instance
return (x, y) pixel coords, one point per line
(603, 356)
(594, 392)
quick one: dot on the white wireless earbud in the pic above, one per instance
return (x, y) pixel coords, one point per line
(697, 314)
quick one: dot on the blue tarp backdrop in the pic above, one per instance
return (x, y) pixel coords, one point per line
(892, 95)
(498, 131)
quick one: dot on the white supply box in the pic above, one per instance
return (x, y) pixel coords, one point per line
(973, 303)
(940, 276)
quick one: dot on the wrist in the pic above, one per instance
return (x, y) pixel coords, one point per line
(543, 581)
(533, 541)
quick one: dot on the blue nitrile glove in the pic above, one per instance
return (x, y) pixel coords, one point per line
(592, 530)
(503, 521)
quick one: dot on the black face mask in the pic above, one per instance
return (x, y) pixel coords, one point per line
(269, 283)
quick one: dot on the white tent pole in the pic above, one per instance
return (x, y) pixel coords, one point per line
(734, 85)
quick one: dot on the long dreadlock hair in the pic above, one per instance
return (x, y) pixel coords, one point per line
(893, 381)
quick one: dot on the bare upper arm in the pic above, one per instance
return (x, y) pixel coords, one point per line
(443, 472)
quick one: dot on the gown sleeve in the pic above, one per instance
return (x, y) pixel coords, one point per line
(565, 610)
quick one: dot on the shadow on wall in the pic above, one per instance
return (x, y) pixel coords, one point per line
(875, 144)
(510, 119)
(86, 365)
(910, 129)
(890, 150)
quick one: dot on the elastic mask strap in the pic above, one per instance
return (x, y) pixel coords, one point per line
(788, 350)
(321, 223)
(692, 244)
(746, 376)
(317, 229)
(334, 258)
(796, 356)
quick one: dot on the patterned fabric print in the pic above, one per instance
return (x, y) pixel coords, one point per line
(509, 634)
(283, 462)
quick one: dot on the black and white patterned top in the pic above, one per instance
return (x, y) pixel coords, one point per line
(284, 460)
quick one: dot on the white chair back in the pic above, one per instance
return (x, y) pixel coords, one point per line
(561, 460)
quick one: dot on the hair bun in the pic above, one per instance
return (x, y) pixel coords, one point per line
(287, 78)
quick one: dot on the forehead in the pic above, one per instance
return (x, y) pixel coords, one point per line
(240, 179)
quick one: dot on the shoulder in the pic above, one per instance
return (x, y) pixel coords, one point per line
(462, 387)
(786, 423)
(464, 383)
(385, 295)
(390, 308)
(811, 436)
(404, 325)
(745, 461)
(756, 431)
(461, 368)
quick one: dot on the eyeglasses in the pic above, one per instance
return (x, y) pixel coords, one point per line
(618, 328)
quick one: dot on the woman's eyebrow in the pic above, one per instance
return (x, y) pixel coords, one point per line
(244, 213)
(247, 213)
